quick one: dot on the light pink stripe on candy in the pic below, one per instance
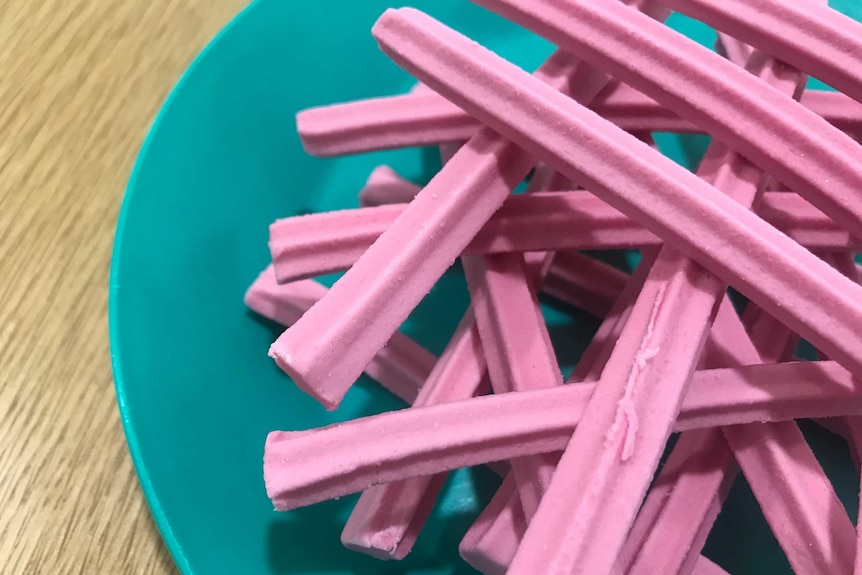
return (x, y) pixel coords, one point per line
(804, 223)
(327, 349)
(420, 119)
(694, 558)
(384, 186)
(318, 244)
(808, 35)
(783, 137)
(538, 264)
(595, 357)
(429, 120)
(633, 111)
(304, 467)
(402, 366)
(762, 263)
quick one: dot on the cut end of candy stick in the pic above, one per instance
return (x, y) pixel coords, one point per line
(401, 367)
(387, 519)
(292, 365)
(271, 480)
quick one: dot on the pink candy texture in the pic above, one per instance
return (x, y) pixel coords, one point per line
(582, 490)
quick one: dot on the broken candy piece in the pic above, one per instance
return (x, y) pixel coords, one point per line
(301, 468)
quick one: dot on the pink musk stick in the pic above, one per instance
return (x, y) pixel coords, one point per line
(385, 186)
(401, 366)
(783, 137)
(808, 35)
(327, 349)
(695, 217)
(387, 518)
(304, 467)
(428, 119)
(518, 349)
(515, 338)
(317, 244)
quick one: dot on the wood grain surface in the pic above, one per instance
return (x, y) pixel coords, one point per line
(80, 81)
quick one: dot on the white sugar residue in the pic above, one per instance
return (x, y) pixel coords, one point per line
(626, 412)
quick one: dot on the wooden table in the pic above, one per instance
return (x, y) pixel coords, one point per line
(80, 81)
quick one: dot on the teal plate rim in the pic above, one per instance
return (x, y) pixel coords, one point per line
(153, 502)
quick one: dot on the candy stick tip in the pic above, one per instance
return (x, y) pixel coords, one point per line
(285, 361)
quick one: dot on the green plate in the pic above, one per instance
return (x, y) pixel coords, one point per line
(195, 388)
